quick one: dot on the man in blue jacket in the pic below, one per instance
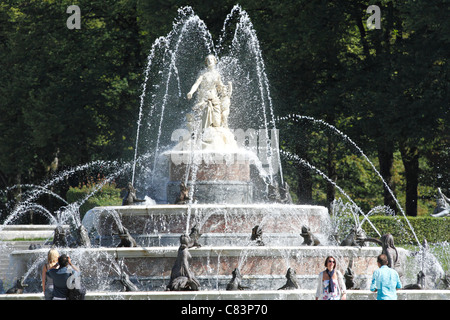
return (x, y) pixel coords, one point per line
(385, 281)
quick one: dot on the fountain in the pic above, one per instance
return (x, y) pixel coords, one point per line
(220, 224)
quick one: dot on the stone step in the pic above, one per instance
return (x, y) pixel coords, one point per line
(6, 248)
(258, 295)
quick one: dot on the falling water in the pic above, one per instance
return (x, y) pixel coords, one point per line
(303, 162)
(289, 117)
(245, 40)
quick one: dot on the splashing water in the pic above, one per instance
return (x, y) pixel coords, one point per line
(334, 129)
(305, 163)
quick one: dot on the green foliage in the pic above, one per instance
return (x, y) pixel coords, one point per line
(432, 229)
(68, 92)
(94, 195)
(75, 93)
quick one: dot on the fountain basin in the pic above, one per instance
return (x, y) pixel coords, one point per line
(262, 267)
(160, 220)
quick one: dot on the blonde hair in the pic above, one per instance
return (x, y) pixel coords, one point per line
(52, 257)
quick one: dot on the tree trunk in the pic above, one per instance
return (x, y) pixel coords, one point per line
(331, 171)
(410, 158)
(386, 160)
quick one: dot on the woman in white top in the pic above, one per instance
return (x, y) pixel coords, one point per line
(330, 283)
(47, 283)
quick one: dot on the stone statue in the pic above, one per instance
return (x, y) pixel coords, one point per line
(389, 249)
(356, 238)
(442, 205)
(181, 277)
(81, 238)
(18, 287)
(183, 197)
(291, 282)
(34, 246)
(279, 194)
(235, 282)
(130, 198)
(60, 237)
(349, 276)
(126, 282)
(257, 235)
(308, 238)
(420, 284)
(285, 195)
(126, 240)
(213, 95)
(193, 237)
(429, 265)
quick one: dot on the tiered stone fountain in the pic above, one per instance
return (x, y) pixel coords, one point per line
(231, 189)
(221, 206)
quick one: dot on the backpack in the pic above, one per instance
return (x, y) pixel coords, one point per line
(76, 291)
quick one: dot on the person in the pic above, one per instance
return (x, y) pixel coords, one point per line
(47, 282)
(330, 283)
(385, 280)
(60, 276)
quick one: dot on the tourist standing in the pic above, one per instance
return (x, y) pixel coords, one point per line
(330, 283)
(60, 277)
(47, 282)
(385, 280)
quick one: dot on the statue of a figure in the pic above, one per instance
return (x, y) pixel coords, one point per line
(81, 237)
(420, 284)
(279, 193)
(291, 282)
(308, 238)
(388, 248)
(442, 205)
(213, 97)
(285, 195)
(349, 276)
(193, 237)
(257, 235)
(126, 240)
(183, 197)
(126, 282)
(235, 282)
(356, 238)
(181, 277)
(18, 288)
(60, 237)
(130, 198)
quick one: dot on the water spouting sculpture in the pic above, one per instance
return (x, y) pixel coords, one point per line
(218, 175)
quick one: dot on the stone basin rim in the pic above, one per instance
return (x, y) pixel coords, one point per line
(275, 251)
